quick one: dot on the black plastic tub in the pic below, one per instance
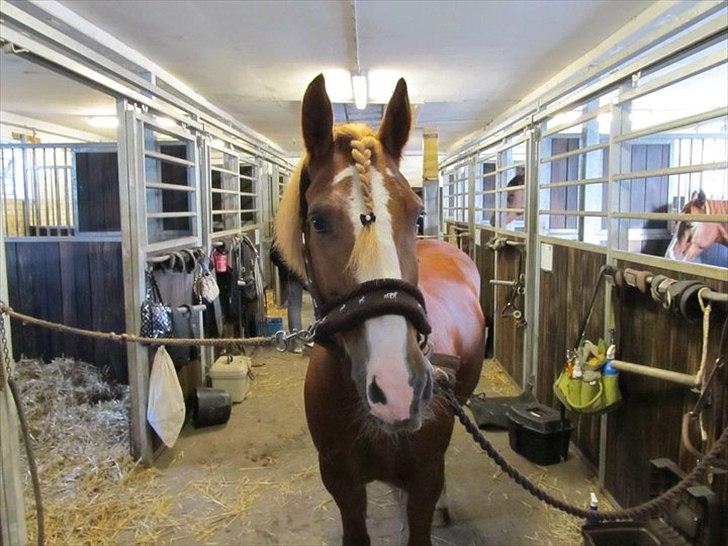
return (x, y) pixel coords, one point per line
(211, 407)
(538, 433)
(619, 533)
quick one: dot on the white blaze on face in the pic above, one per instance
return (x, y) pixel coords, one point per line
(386, 335)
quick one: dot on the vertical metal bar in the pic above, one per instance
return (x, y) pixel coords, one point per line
(131, 196)
(72, 179)
(40, 168)
(14, 165)
(56, 184)
(36, 192)
(533, 263)
(12, 500)
(471, 205)
(617, 160)
(6, 223)
(67, 189)
(26, 195)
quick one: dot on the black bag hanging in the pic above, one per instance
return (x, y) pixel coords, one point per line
(156, 316)
(184, 327)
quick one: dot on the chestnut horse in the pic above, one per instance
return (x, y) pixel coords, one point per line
(692, 238)
(369, 400)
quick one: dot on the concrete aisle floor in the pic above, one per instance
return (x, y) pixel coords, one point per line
(255, 480)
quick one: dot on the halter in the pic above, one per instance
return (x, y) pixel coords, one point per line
(369, 299)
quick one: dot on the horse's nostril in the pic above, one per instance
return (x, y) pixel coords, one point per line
(375, 393)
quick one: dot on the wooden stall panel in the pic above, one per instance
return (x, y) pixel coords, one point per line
(564, 300)
(648, 424)
(508, 340)
(76, 283)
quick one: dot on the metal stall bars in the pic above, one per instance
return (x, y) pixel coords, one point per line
(675, 174)
(232, 190)
(38, 197)
(159, 188)
(455, 203)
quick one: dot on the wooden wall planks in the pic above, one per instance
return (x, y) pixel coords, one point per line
(564, 298)
(648, 424)
(75, 282)
(508, 340)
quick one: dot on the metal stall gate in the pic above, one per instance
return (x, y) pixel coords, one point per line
(604, 169)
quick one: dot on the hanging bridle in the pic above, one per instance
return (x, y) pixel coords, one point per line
(367, 300)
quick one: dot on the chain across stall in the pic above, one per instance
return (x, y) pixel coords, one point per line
(444, 388)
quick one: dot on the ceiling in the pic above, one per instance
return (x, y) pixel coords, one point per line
(36, 92)
(465, 62)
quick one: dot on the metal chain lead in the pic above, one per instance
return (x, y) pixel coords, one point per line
(5, 364)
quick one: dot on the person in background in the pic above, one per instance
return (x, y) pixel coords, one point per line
(292, 293)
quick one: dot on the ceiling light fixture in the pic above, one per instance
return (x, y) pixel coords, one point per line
(164, 121)
(103, 122)
(359, 85)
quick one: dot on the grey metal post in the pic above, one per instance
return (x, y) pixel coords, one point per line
(12, 505)
(431, 200)
(533, 263)
(133, 229)
(471, 205)
(617, 160)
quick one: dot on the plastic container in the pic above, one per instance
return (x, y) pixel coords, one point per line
(272, 325)
(232, 374)
(538, 433)
(619, 533)
(211, 407)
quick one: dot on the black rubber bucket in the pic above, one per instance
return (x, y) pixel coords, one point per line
(619, 533)
(211, 407)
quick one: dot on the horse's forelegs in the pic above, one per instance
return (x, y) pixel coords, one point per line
(441, 517)
(351, 498)
(423, 493)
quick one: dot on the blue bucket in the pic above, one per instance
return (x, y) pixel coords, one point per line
(272, 325)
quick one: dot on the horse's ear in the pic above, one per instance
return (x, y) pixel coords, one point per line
(394, 132)
(289, 223)
(317, 119)
(700, 198)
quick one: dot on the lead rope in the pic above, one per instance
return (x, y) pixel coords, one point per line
(6, 377)
(636, 512)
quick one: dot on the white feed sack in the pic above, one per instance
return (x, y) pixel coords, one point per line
(166, 408)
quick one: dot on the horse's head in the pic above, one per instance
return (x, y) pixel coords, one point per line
(359, 218)
(692, 238)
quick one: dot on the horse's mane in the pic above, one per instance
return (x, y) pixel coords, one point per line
(288, 221)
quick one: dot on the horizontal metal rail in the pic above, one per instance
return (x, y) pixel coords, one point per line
(158, 215)
(658, 373)
(579, 182)
(670, 171)
(168, 158)
(233, 211)
(595, 213)
(496, 209)
(586, 116)
(675, 76)
(224, 171)
(170, 187)
(577, 151)
(675, 216)
(501, 190)
(221, 190)
(674, 124)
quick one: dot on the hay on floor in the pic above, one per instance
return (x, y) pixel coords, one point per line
(92, 489)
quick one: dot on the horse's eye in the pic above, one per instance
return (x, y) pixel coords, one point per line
(320, 224)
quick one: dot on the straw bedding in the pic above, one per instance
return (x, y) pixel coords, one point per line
(92, 489)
